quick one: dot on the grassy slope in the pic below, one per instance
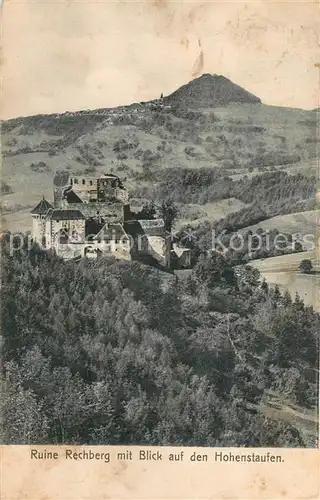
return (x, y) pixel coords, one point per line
(194, 214)
(231, 144)
(284, 271)
(304, 419)
(302, 223)
(230, 148)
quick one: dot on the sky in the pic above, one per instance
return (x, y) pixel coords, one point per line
(60, 55)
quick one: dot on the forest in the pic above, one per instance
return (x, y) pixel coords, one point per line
(116, 352)
(266, 195)
(271, 192)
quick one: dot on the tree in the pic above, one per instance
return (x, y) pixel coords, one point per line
(169, 211)
(23, 419)
(287, 300)
(306, 266)
(264, 286)
(148, 211)
(276, 293)
(5, 188)
(119, 352)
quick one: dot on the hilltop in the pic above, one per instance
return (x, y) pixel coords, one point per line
(144, 142)
(220, 154)
(211, 91)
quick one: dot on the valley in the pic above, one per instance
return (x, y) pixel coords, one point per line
(226, 162)
(143, 142)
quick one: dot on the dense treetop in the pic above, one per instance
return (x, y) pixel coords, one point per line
(118, 352)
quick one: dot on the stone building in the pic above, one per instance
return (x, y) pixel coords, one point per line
(91, 216)
(150, 241)
(64, 227)
(113, 239)
(180, 257)
(39, 214)
(101, 196)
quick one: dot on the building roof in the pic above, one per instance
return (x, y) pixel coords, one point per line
(42, 207)
(94, 176)
(180, 250)
(153, 227)
(66, 215)
(71, 196)
(111, 232)
(149, 227)
(133, 227)
(151, 223)
(108, 175)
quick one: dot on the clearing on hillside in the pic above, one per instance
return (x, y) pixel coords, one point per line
(303, 223)
(284, 272)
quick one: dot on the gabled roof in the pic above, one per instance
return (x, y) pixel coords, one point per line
(42, 207)
(180, 250)
(153, 227)
(71, 196)
(111, 232)
(148, 224)
(149, 227)
(133, 227)
(66, 215)
(108, 175)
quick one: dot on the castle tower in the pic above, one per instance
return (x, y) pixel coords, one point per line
(97, 196)
(61, 181)
(39, 218)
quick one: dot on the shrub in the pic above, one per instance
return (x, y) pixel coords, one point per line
(40, 167)
(190, 151)
(5, 188)
(123, 168)
(306, 266)
(90, 170)
(122, 156)
(120, 145)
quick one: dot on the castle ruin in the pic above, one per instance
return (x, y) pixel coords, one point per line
(91, 216)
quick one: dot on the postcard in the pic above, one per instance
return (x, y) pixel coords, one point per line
(160, 304)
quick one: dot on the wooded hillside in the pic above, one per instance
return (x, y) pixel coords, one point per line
(117, 352)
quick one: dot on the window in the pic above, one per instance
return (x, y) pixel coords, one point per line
(91, 183)
(83, 181)
(75, 181)
(71, 181)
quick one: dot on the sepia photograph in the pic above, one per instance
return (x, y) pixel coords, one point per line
(159, 253)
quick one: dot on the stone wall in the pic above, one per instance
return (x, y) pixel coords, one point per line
(85, 188)
(159, 248)
(38, 227)
(70, 251)
(74, 250)
(112, 213)
(97, 189)
(53, 227)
